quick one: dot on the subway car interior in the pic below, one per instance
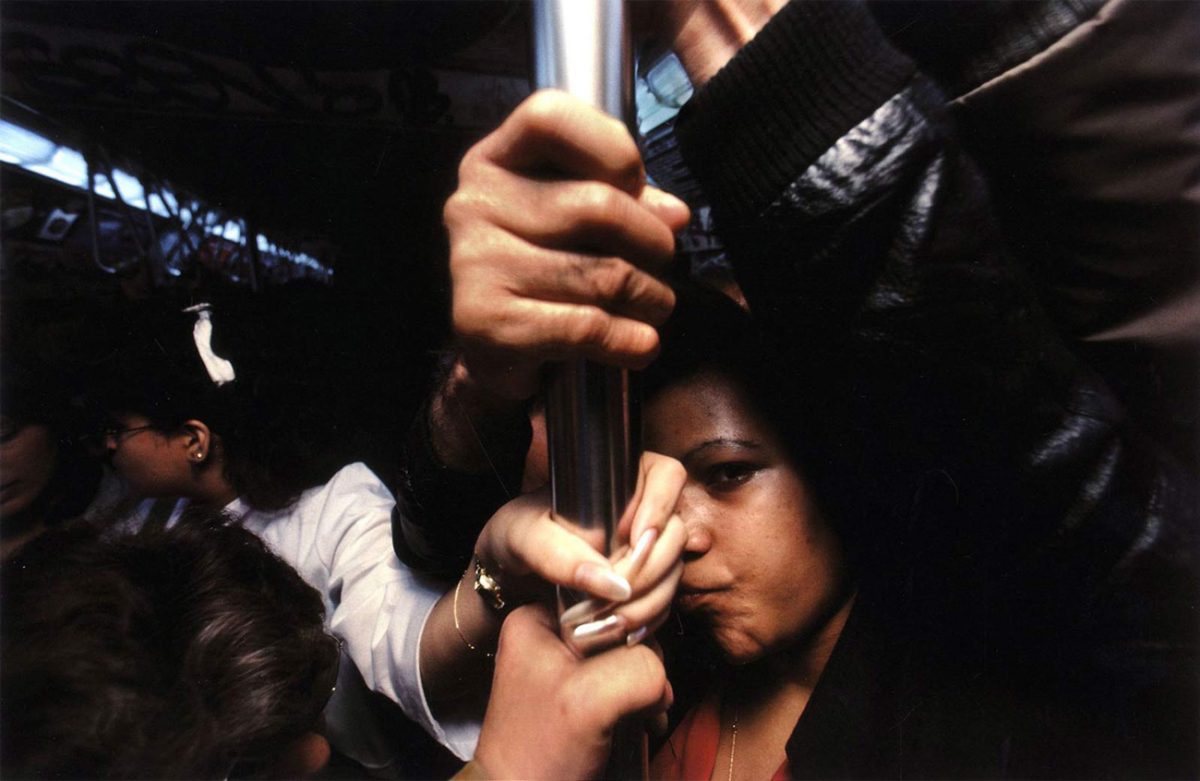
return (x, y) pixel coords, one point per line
(158, 150)
(163, 151)
(1003, 436)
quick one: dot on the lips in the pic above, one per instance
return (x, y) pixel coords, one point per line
(696, 598)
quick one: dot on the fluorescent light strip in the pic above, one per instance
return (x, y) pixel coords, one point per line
(38, 154)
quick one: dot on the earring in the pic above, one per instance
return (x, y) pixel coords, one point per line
(197, 456)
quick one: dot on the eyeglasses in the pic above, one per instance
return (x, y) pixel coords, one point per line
(117, 432)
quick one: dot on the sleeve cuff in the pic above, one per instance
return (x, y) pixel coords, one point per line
(815, 71)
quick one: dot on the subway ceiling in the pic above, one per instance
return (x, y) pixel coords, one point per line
(333, 119)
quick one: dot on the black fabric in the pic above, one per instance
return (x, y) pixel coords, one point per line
(439, 512)
(1045, 551)
(822, 69)
(963, 45)
(1027, 560)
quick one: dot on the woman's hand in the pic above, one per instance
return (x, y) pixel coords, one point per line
(528, 551)
(551, 714)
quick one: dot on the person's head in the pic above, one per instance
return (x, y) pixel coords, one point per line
(179, 426)
(47, 473)
(189, 652)
(29, 458)
(764, 567)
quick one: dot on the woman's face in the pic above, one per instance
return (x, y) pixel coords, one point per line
(152, 463)
(762, 569)
(28, 458)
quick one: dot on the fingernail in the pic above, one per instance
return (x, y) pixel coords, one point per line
(671, 200)
(603, 582)
(636, 636)
(643, 546)
(593, 628)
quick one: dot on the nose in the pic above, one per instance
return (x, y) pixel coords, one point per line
(696, 520)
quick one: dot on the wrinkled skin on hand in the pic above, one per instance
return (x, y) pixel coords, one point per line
(555, 239)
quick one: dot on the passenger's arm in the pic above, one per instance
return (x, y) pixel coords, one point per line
(527, 552)
(551, 715)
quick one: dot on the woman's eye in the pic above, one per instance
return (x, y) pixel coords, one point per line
(8, 429)
(727, 476)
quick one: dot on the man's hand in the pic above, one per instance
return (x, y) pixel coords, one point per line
(551, 714)
(554, 241)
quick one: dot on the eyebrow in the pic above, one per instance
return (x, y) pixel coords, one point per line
(708, 444)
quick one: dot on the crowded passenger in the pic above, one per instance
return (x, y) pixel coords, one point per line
(195, 413)
(1000, 520)
(50, 470)
(194, 652)
(192, 418)
(189, 652)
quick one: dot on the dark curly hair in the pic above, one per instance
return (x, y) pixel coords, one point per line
(169, 653)
(708, 332)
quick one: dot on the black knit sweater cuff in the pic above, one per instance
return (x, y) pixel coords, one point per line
(816, 70)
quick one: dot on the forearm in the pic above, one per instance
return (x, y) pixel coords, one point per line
(457, 650)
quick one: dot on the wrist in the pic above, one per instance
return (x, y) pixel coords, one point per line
(475, 620)
(713, 32)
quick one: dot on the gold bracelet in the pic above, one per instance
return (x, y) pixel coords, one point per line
(458, 628)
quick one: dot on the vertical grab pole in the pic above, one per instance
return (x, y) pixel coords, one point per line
(582, 47)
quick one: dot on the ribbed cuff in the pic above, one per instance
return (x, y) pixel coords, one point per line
(816, 70)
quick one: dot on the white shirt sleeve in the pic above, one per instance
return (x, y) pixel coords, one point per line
(339, 537)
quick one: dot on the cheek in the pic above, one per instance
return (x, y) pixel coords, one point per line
(136, 467)
(31, 456)
(743, 629)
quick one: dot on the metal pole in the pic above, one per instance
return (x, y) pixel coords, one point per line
(582, 47)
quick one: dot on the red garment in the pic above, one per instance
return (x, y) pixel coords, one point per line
(690, 754)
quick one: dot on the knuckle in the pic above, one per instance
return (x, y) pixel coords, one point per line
(673, 470)
(454, 208)
(543, 109)
(463, 206)
(589, 326)
(468, 163)
(514, 634)
(612, 279)
(598, 202)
